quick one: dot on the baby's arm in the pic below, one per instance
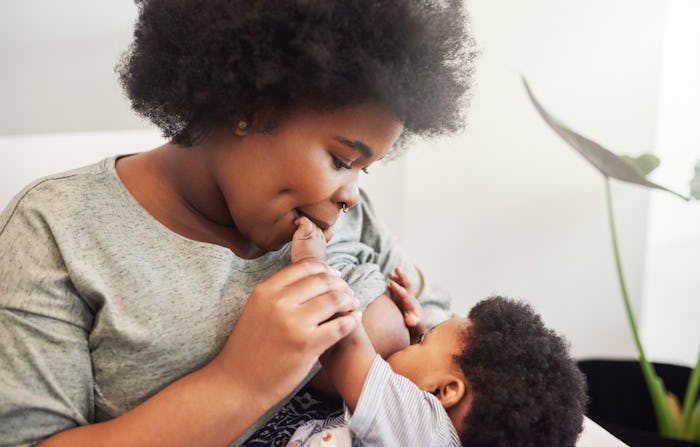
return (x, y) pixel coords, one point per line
(382, 319)
(348, 363)
(352, 357)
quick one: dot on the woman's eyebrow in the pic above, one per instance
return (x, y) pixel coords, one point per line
(357, 145)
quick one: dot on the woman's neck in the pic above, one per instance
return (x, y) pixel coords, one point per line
(175, 185)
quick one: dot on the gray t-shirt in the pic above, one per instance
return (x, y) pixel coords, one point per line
(101, 306)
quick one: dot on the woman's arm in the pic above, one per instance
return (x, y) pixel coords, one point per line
(286, 324)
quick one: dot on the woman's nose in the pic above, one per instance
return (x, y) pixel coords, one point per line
(347, 196)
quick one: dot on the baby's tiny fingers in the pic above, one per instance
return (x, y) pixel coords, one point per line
(403, 279)
(400, 291)
(411, 319)
(328, 234)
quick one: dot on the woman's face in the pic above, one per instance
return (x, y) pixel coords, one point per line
(308, 165)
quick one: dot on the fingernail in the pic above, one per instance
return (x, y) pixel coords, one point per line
(335, 271)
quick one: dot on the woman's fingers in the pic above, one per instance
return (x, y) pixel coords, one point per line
(330, 332)
(312, 286)
(296, 272)
(324, 307)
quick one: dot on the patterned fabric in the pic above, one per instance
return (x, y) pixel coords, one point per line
(305, 405)
(312, 434)
(331, 432)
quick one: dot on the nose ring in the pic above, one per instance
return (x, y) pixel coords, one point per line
(344, 207)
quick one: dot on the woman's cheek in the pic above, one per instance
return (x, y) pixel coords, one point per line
(316, 183)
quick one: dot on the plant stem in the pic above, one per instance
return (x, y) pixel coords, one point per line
(691, 395)
(667, 427)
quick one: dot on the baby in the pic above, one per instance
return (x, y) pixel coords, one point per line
(496, 378)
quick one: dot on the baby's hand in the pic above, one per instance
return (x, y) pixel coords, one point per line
(401, 292)
(308, 242)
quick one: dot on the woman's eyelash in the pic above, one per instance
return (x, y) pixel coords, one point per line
(339, 164)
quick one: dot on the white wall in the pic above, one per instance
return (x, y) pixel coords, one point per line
(58, 60)
(511, 207)
(671, 312)
(24, 158)
(505, 208)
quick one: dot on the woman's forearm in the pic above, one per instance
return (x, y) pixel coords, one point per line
(204, 408)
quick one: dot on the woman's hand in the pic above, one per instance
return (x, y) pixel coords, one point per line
(288, 321)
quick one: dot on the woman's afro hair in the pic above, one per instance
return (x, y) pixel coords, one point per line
(196, 65)
(527, 389)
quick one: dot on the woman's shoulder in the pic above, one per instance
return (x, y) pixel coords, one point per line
(63, 182)
(63, 192)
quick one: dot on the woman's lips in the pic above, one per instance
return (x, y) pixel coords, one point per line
(323, 225)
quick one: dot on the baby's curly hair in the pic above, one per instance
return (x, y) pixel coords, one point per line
(197, 65)
(527, 389)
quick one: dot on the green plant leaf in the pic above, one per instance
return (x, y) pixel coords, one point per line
(644, 164)
(695, 182)
(691, 396)
(607, 163)
(694, 428)
(657, 391)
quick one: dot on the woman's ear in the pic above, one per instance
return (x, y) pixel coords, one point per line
(241, 128)
(450, 390)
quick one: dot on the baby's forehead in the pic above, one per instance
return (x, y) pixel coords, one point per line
(463, 324)
(456, 328)
(463, 332)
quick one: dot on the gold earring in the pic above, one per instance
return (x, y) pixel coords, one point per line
(242, 125)
(344, 207)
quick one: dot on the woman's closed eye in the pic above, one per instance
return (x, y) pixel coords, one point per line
(340, 164)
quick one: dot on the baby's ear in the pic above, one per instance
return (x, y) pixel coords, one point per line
(451, 390)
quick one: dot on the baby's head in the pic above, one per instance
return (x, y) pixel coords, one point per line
(503, 377)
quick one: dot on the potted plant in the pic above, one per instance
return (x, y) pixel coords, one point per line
(626, 415)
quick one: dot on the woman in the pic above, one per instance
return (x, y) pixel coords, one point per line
(149, 298)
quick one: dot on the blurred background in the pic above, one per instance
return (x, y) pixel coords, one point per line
(505, 207)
